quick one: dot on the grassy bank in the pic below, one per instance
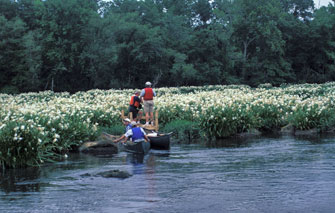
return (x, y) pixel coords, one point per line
(39, 127)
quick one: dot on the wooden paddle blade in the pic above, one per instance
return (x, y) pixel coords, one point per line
(107, 136)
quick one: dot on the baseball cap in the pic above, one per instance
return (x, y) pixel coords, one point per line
(126, 120)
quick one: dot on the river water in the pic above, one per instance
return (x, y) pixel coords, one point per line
(265, 174)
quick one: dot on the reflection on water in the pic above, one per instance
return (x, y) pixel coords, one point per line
(20, 180)
(243, 141)
(258, 174)
(137, 161)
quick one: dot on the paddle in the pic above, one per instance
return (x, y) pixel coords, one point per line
(109, 137)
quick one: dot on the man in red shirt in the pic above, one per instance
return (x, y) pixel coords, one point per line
(147, 96)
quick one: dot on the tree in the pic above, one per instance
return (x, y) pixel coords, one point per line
(322, 45)
(301, 9)
(260, 41)
(19, 56)
(98, 58)
(62, 22)
(139, 50)
(8, 9)
(202, 12)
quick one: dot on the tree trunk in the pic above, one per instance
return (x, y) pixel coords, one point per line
(52, 84)
(245, 48)
(156, 78)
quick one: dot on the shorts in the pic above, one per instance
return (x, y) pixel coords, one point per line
(148, 106)
(133, 110)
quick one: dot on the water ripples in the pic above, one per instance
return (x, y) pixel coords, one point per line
(263, 175)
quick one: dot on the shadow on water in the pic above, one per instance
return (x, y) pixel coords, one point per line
(22, 180)
(315, 139)
(228, 143)
(160, 153)
(237, 141)
(32, 179)
(244, 141)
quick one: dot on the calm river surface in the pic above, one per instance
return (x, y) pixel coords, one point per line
(267, 174)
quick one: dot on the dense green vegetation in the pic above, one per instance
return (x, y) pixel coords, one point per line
(73, 45)
(40, 127)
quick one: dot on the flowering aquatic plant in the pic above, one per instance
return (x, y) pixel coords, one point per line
(53, 123)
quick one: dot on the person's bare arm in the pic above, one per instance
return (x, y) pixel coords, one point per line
(146, 138)
(125, 140)
(117, 140)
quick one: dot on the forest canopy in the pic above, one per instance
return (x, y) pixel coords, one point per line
(76, 45)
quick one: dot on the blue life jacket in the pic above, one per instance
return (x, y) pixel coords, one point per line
(128, 127)
(137, 134)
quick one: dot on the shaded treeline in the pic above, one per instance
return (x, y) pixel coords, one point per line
(71, 45)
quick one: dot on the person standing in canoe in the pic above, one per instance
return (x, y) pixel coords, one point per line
(137, 134)
(147, 97)
(135, 106)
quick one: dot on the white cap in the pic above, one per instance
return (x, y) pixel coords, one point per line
(148, 83)
(133, 123)
(126, 120)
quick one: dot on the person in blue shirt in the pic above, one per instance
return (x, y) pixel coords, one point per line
(137, 134)
(127, 123)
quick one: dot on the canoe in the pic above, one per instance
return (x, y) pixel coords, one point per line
(139, 147)
(161, 141)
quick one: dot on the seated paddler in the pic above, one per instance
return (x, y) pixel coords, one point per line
(127, 124)
(137, 134)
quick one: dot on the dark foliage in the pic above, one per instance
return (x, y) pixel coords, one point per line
(75, 45)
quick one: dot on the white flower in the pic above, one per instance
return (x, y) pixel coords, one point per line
(2, 126)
